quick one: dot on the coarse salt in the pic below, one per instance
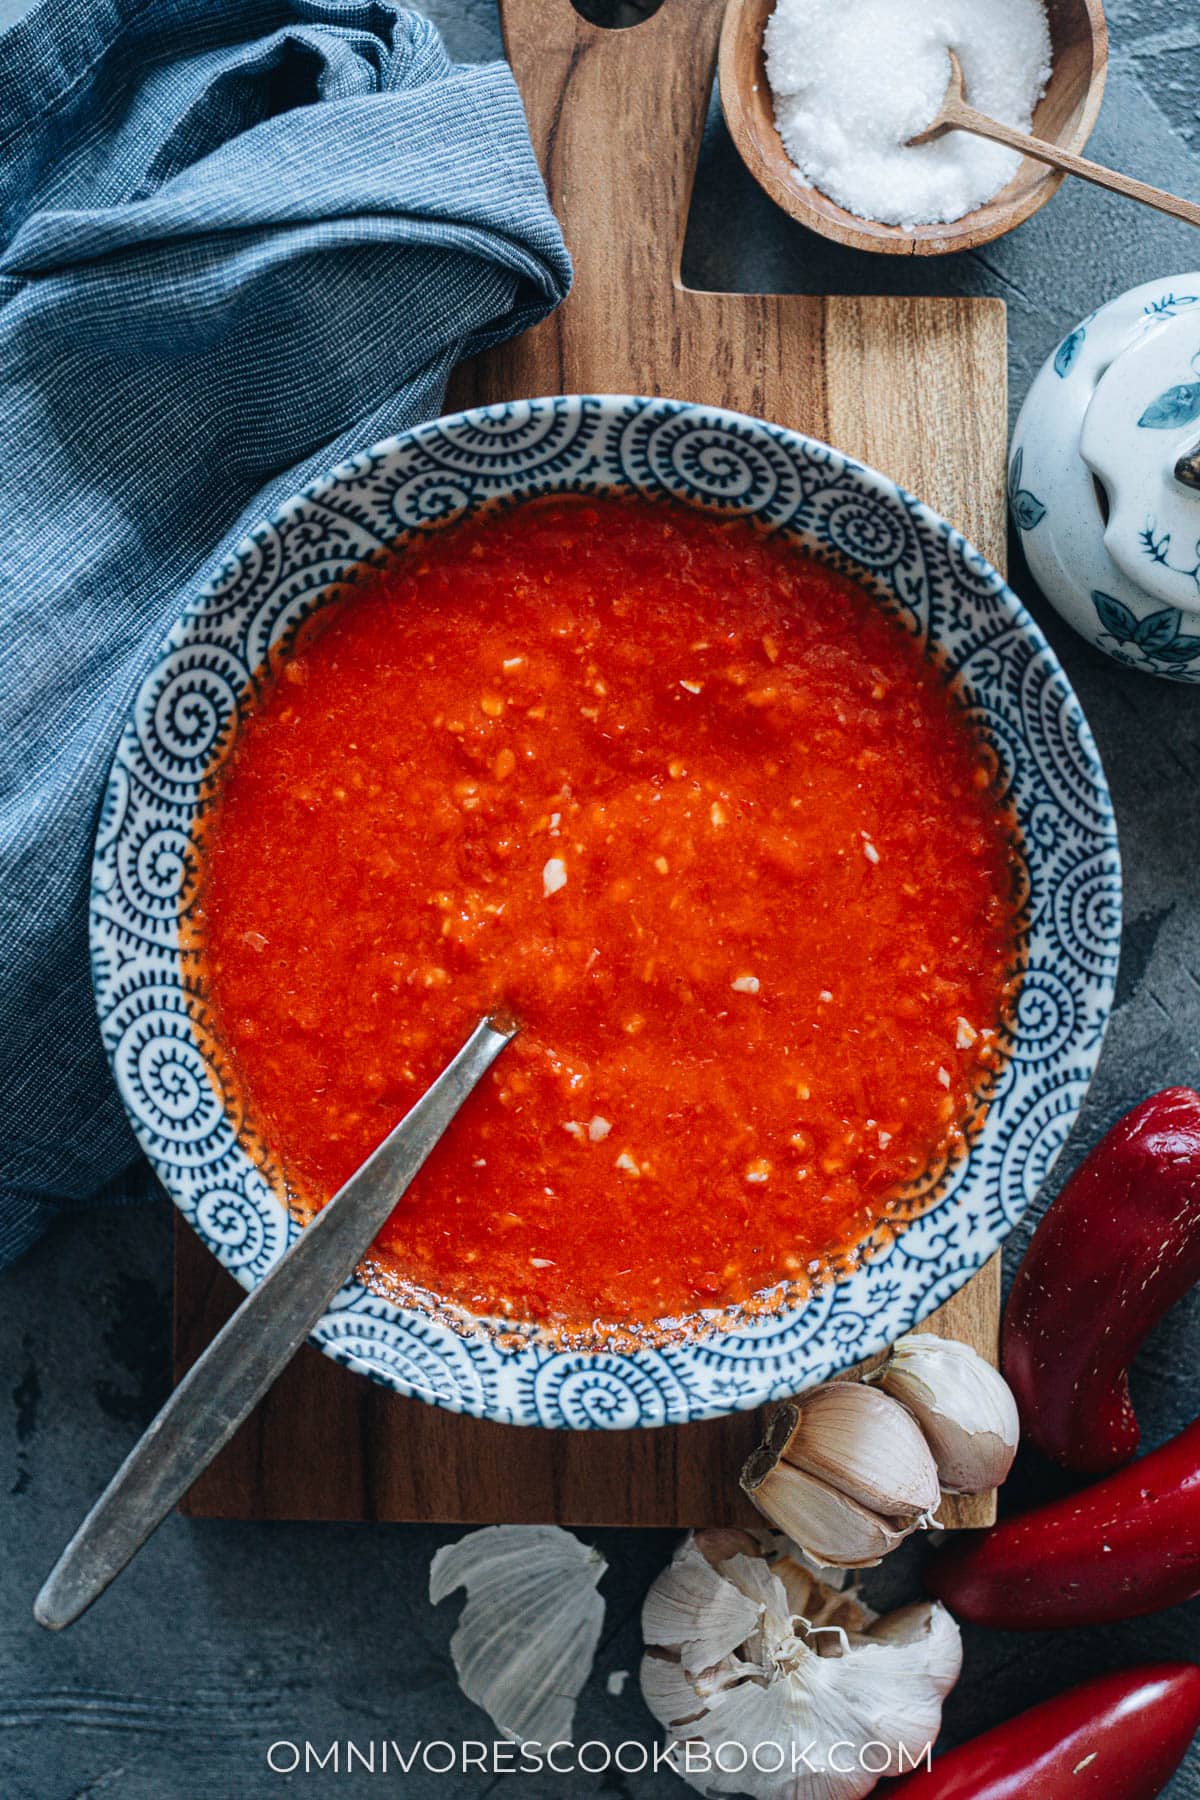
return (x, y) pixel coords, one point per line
(854, 80)
(598, 1129)
(745, 984)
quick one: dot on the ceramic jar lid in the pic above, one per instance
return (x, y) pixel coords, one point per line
(1105, 478)
(1141, 439)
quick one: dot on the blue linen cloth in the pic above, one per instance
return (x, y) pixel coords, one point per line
(241, 239)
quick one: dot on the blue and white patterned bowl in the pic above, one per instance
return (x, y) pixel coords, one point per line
(940, 590)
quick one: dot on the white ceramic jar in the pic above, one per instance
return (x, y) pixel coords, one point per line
(1104, 478)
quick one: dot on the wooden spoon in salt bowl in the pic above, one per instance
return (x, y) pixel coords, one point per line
(1064, 117)
(956, 115)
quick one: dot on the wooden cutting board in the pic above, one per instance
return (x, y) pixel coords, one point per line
(916, 387)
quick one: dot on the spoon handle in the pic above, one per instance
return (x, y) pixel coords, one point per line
(263, 1335)
(965, 118)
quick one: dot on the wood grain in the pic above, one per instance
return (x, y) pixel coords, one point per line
(915, 387)
(325, 1444)
(1065, 116)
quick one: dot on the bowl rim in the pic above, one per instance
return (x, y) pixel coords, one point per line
(844, 227)
(675, 1400)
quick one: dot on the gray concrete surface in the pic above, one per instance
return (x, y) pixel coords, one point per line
(225, 1637)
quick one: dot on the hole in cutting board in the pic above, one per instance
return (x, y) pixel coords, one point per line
(616, 15)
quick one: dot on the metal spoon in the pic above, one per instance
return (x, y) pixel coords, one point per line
(957, 115)
(255, 1346)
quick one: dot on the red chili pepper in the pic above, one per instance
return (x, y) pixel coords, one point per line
(1127, 1545)
(1119, 1246)
(1120, 1737)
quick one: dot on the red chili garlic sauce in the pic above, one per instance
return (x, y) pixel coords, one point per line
(692, 805)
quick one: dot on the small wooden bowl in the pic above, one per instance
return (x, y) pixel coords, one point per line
(1065, 115)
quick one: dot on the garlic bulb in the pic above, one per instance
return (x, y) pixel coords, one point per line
(846, 1473)
(813, 1670)
(525, 1643)
(964, 1407)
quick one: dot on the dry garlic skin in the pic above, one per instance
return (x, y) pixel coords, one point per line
(526, 1638)
(964, 1407)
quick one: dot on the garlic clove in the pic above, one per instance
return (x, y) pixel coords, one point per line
(719, 1542)
(832, 1469)
(917, 1656)
(832, 1529)
(963, 1406)
(863, 1443)
(821, 1602)
(929, 1625)
(525, 1643)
